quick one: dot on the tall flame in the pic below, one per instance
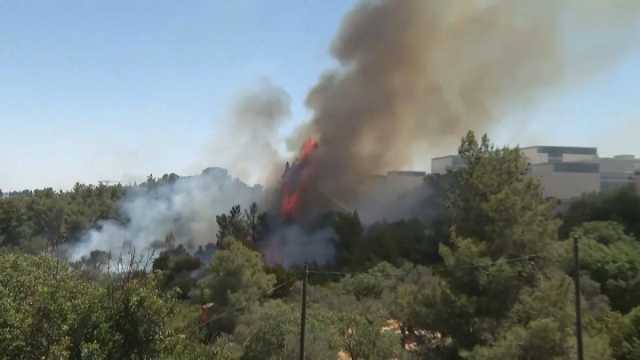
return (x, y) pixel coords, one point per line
(295, 180)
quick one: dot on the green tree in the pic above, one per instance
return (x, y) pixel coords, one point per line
(495, 201)
(611, 258)
(349, 231)
(625, 335)
(542, 326)
(236, 280)
(249, 226)
(502, 231)
(132, 320)
(363, 336)
(46, 311)
(622, 206)
(176, 266)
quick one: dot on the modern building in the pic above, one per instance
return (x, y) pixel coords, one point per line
(566, 171)
(402, 181)
(559, 154)
(618, 171)
(444, 164)
(567, 180)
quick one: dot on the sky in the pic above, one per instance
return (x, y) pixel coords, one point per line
(117, 90)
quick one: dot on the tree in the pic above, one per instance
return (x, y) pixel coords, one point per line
(495, 201)
(48, 311)
(132, 320)
(236, 281)
(34, 220)
(502, 231)
(251, 221)
(45, 309)
(349, 231)
(611, 258)
(363, 336)
(177, 266)
(542, 326)
(625, 337)
(400, 241)
(622, 206)
(249, 226)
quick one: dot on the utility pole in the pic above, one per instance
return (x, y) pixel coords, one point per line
(577, 288)
(303, 310)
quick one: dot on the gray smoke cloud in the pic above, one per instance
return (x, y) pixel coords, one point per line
(417, 74)
(245, 142)
(187, 209)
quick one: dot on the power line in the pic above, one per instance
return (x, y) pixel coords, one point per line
(239, 308)
(441, 266)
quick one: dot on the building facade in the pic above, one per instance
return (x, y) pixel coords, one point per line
(444, 164)
(567, 172)
(618, 171)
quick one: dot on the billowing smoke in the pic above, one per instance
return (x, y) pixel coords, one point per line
(417, 74)
(183, 211)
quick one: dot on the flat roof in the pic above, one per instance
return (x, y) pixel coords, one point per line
(408, 172)
(445, 157)
(581, 150)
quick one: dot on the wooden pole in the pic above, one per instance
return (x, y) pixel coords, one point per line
(578, 307)
(303, 310)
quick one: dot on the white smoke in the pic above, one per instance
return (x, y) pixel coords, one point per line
(186, 209)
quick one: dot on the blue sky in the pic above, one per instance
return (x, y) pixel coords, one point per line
(93, 90)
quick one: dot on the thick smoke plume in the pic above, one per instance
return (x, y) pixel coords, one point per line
(417, 74)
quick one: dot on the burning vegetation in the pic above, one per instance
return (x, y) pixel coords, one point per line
(295, 180)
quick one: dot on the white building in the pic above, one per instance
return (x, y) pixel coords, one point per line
(444, 164)
(618, 171)
(559, 154)
(566, 171)
(567, 180)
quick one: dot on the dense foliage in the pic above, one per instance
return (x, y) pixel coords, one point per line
(489, 277)
(33, 220)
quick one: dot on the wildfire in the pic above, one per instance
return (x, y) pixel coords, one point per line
(309, 146)
(295, 179)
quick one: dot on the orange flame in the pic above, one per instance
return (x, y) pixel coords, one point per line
(309, 146)
(295, 179)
